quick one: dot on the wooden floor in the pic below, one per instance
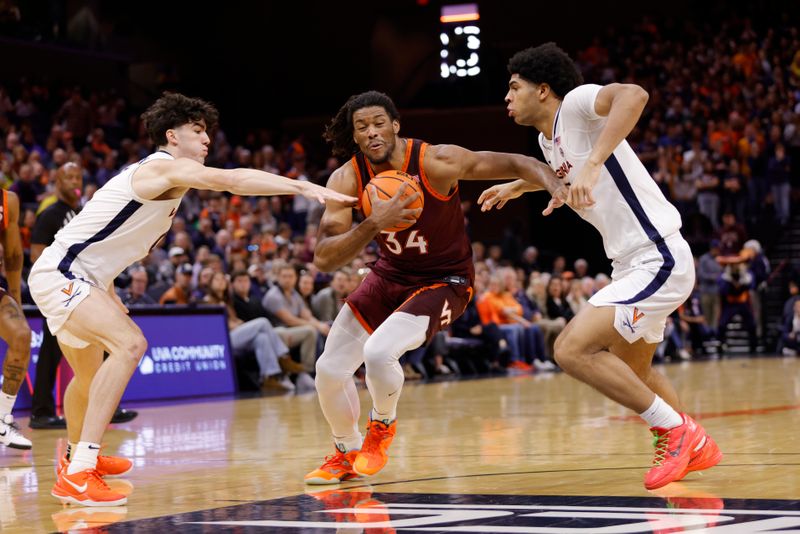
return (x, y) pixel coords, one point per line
(522, 435)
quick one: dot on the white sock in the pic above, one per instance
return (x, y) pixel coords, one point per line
(71, 449)
(661, 415)
(349, 443)
(374, 415)
(84, 456)
(6, 403)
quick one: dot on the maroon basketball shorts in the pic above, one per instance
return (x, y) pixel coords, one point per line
(377, 298)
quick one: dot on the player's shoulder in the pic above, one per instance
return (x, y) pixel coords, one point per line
(445, 153)
(579, 103)
(344, 179)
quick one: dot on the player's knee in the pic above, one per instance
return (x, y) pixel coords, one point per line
(375, 352)
(329, 373)
(566, 353)
(133, 346)
(20, 341)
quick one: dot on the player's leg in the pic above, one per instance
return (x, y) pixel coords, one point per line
(639, 357)
(422, 314)
(99, 320)
(591, 349)
(15, 331)
(581, 350)
(338, 396)
(399, 333)
(705, 453)
(85, 362)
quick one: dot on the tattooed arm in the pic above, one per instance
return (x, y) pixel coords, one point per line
(12, 248)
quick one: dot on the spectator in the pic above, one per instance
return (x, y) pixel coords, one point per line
(136, 293)
(708, 275)
(293, 319)
(499, 307)
(530, 260)
(778, 176)
(693, 324)
(255, 335)
(76, 115)
(305, 287)
(735, 287)
(731, 235)
(759, 268)
(181, 290)
(327, 303)
(248, 309)
(790, 332)
(581, 267)
(557, 305)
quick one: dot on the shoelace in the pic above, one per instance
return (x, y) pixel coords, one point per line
(335, 460)
(93, 474)
(660, 442)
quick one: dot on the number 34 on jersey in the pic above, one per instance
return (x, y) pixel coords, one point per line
(414, 240)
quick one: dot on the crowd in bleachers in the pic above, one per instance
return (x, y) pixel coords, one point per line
(721, 136)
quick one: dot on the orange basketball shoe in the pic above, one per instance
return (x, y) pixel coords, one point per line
(674, 448)
(85, 488)
(705, 456)
(107, 466)
(337, 468)
(373, 454)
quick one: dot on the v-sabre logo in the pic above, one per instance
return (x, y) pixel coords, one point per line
(680, 513)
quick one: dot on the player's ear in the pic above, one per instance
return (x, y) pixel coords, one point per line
(396, 126)
(171, 137)
(544, 90)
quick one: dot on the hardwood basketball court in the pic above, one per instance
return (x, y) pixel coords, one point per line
(517, 452)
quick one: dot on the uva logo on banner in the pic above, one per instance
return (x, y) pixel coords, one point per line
(146, 365)
(184, 358)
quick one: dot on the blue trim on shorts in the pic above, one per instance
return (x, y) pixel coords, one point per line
(118, 220)
(624, 186)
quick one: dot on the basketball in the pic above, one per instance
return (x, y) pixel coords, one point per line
(386, 185)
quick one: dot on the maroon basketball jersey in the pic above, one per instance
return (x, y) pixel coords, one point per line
(434, 247)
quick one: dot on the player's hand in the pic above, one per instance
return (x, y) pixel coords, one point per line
(323, 194)
(393, 211)
(499, 194)
(558, 199)
(580, 190)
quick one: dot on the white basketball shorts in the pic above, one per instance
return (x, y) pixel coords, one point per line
(647, 286)
(57, 293)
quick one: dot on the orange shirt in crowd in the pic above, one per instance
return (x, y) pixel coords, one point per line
(491, 305)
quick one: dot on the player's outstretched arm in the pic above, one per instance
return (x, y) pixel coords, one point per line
(453, 163)
(159, 176)
(498, 195)
(623, 105)
(12, 249)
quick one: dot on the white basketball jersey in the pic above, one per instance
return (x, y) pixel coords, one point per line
(114, 229)
(629, 211)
